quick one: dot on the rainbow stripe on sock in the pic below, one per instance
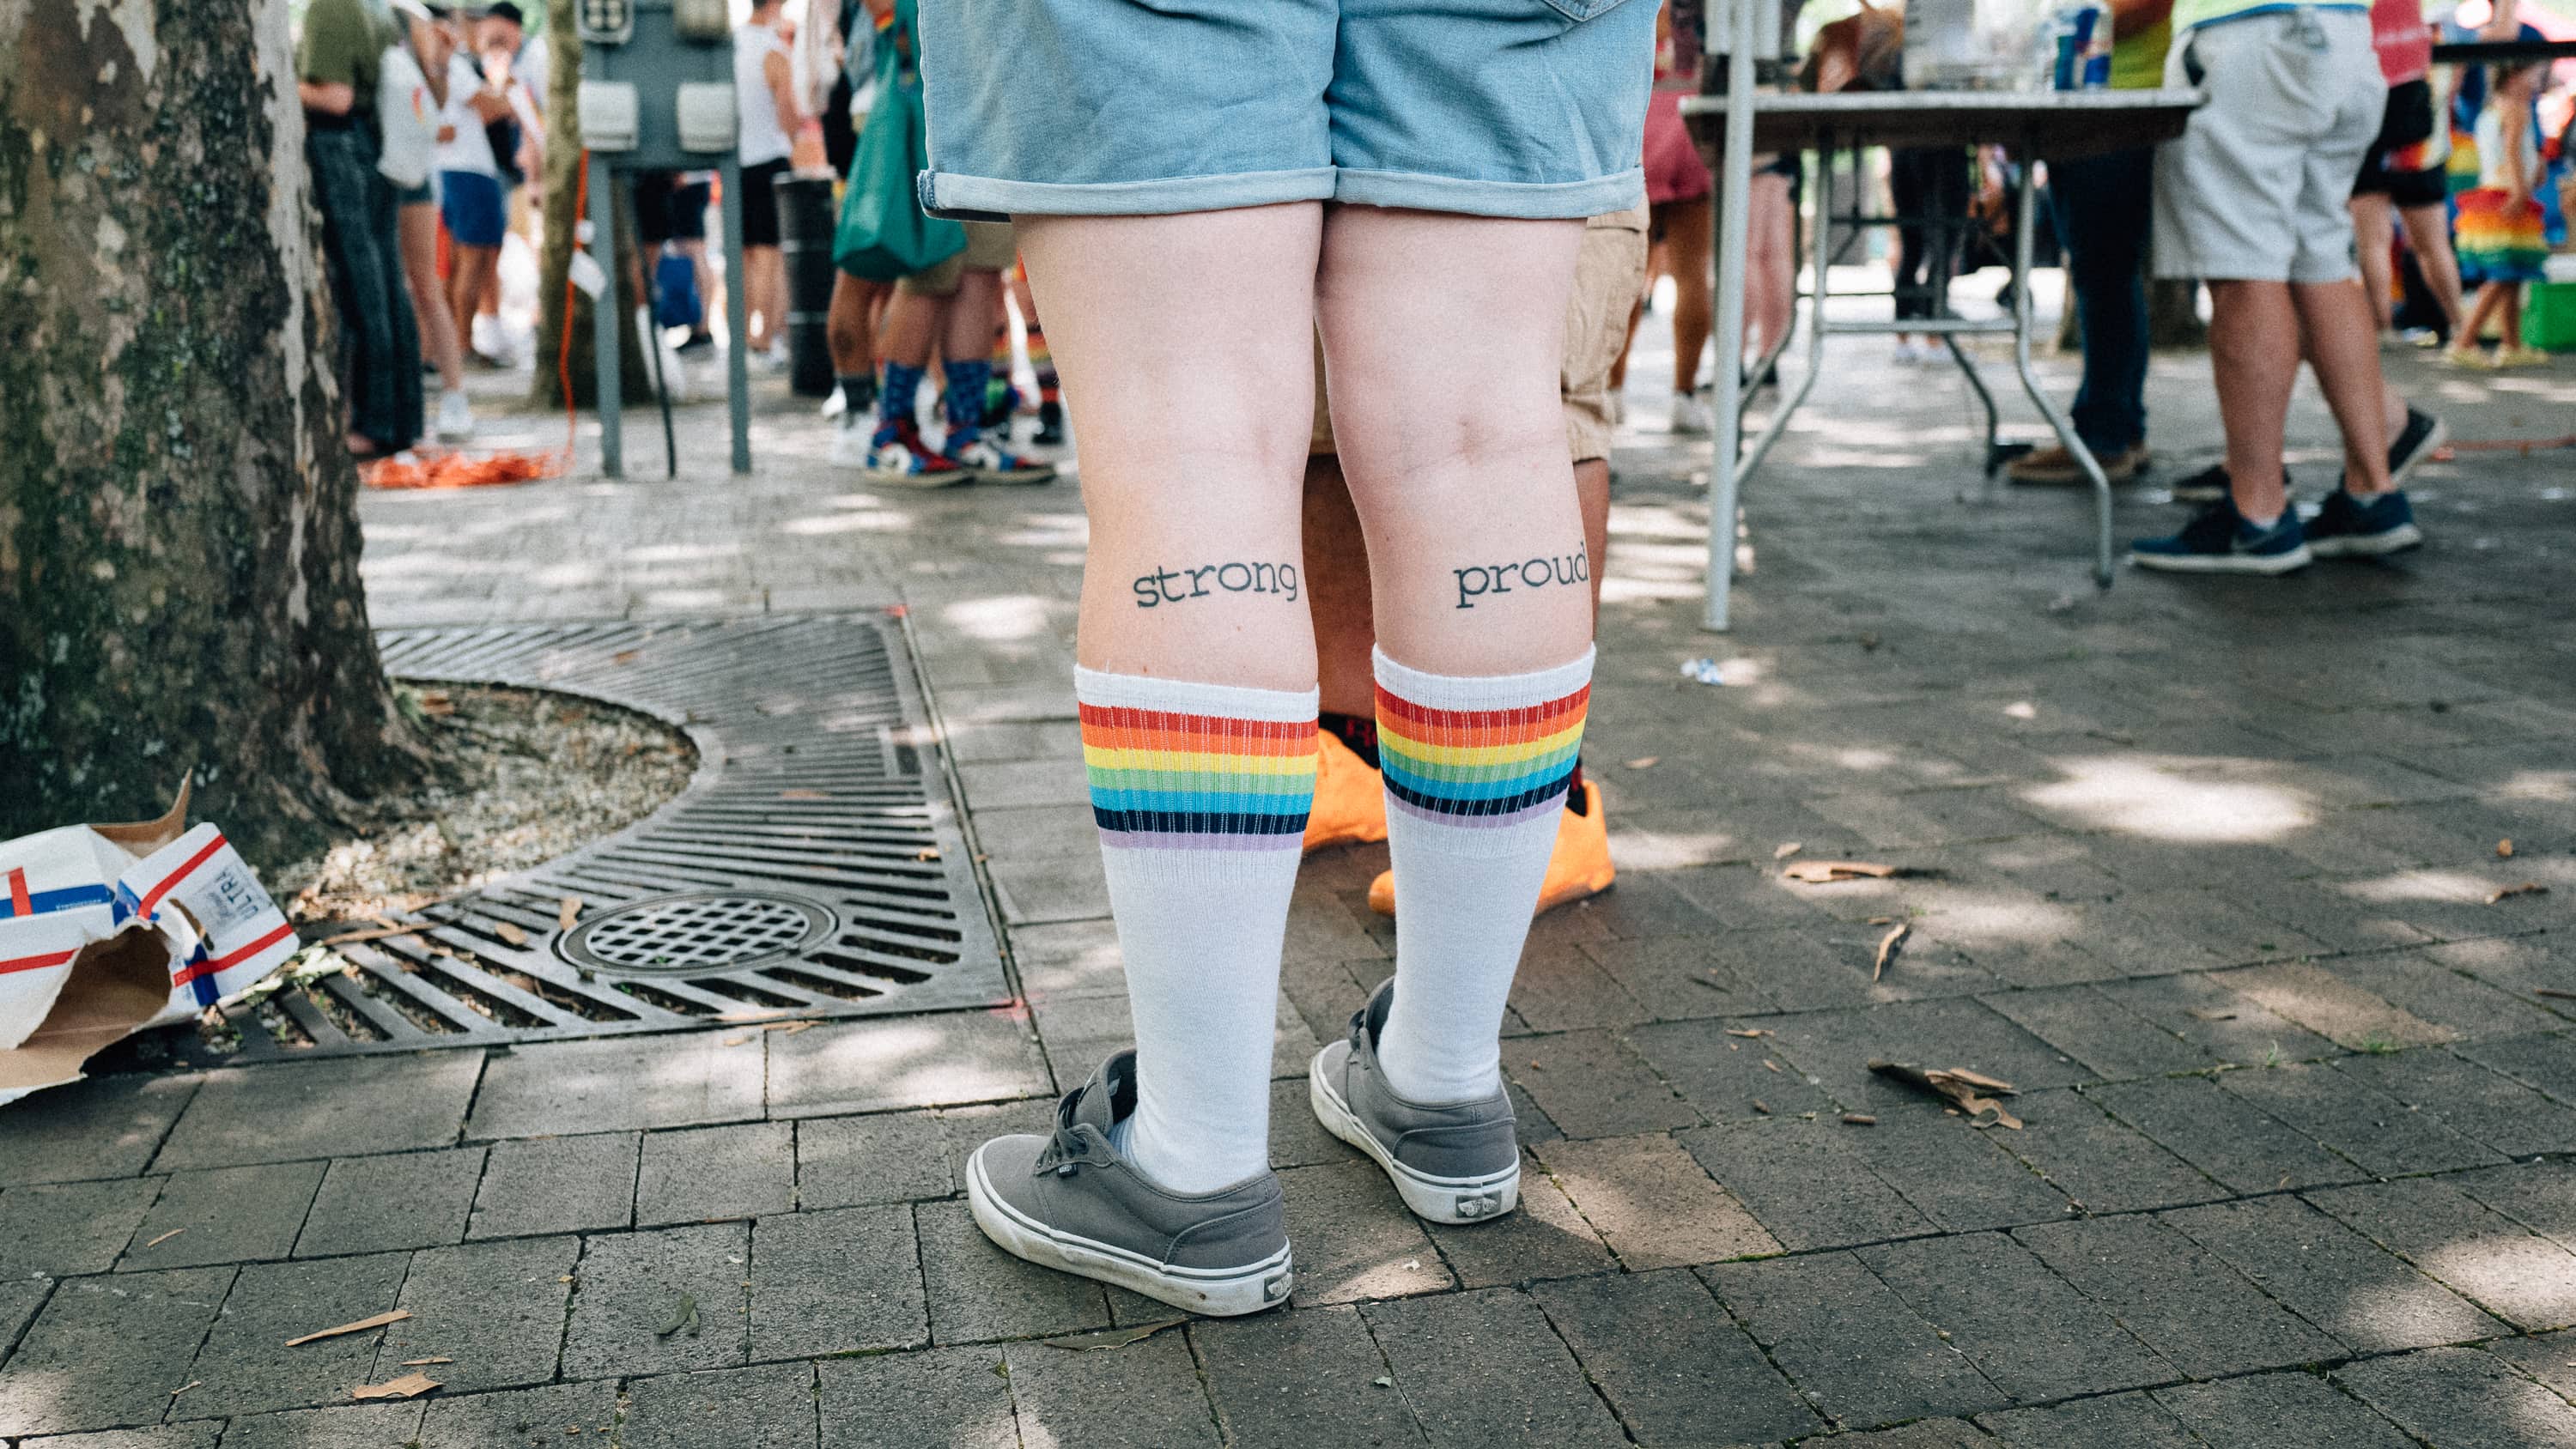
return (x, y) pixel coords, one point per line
(1169, 781)
(1480, 767)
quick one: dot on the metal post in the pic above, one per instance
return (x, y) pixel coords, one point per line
(737, 356)
(1734, 194)
(603, 316)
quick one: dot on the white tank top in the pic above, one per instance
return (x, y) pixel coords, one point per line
(762, 138)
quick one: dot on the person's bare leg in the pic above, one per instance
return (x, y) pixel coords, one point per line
(2428, 232)
(2253, 360)
(468, 269)
(1688, 239)
(764, 295)
(2343, 347)
(845, 326)
(2373, 231)
(1771, 268)
(418, 238)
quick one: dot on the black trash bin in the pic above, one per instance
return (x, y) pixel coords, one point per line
(805, 224)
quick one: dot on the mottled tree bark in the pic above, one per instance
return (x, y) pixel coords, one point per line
(178, 523)
(563, 213)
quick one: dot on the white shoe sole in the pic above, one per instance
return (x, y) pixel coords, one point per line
(919, 482)
(2225, 563)
(2368, 545)
(1432, 1199)
(1217, 1292)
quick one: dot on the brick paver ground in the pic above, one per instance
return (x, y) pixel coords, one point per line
(2203, 867)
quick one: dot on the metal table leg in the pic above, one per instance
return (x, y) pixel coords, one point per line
(2026, 211)
(1734, 192)
(1816, 296)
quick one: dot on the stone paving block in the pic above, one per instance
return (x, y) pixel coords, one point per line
(62, 1229)
(1049, 889)
(556, 1185)
(2333, 1277)
(620, 1083)
(1838, 1046)
(977, 1291)
(1691, 1377)
(1652, 1203)
(2335, 920)
(107, 1351)
(1070, 958)
(1024, 783)
(104, 1127)
(2106, 1037)
(19, 1301)
(1294, 1379)
(2118, 1421)
(1562, 989)
(922, 1061)
(2547, 1063)
(2103, 1165)
(1354, 1239)
(708, 1173)
(2469, 1099)
(853, 1161)
(1723, 1075)
(2549, 1358)
(768, 1407)
(350, 1426)
(954, 1398)
(629, 1287)
(1672, 977)
(2221, 1134)
(843, 1281)
(2539, 1195)
(2015, 1320)
(1325, 993)
(400, 1200)
(2187, 1305)
(1921, 1434)
(2230, 1027)
(284, 1111)
(2519, 965)
(224, 1215)
(246, 1367)
(2346, 1113)
(521, 1418)
(2454, 1000)
(1296, 1138)
(1591, 1085)
(2494, 1262)
(1804, 1181)
(2282, 1408)
(2462, 1397)
(1081, 1032)
(1145, 1396)
(1803, 969)
(496, 1309)
(2316, 998)
(1545, 1237)
(1483, 1367)
(1852, 1348)
(1957, 1175)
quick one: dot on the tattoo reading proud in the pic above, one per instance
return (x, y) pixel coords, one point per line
(1480, 580)
(1173, 586)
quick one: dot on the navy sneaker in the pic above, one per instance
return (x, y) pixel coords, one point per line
(2422, 434)
(2206, 486)
(2218, 540)
(2349, 527)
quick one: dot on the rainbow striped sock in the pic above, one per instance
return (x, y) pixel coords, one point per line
(1476, 777)
(1201, 793)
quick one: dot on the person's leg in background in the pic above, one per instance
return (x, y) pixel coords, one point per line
(1770, 260)
(2374, 234)
(966, 347)
(764, 266)
(361, 235)
(849, 333)
(1909, 190)
(1689, 232)
(914, 319)
(470, 203)
(416, 224)
(2102, 211)
(2428, 234)
(1041, 362)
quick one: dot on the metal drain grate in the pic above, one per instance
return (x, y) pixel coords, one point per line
(813, 868)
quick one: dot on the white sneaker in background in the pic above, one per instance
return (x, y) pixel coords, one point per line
(854, 439)
(1690, 416)
(834, 405)
(455, 417)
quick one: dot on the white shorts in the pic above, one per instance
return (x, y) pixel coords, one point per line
(2254, 189)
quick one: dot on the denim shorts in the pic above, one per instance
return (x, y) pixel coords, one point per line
(1512, 108)
(472, 206)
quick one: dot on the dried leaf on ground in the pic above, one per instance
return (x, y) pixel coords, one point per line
(802, 795)
(372, 933)
(567, 913)
(1112, 1337)
(165, 1237)
(424, 1362)
(1747, 1032)
(1645, 762)
(361, 1326)
(1775, 1066)
(1890, 946)
(2504, 848)
(1790, 849)
(625, 656)
(1859, 1119)
(409, 1386)
(1957, 1084)
(1820, 872)
(684, 1314)
(2203, 1013)
(2554, 993)
(510, 933)
(437, 703)
(1383, 1382)
(1880, 921)
(2527, 888)
(1761, 1106)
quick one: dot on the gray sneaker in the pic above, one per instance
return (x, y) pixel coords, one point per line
(1068, 1200)
(1454, 1163)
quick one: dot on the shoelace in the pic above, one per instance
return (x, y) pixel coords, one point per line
(1067, 1150)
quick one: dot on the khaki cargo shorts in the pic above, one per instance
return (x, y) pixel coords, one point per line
(990, 247)
(1609, 277)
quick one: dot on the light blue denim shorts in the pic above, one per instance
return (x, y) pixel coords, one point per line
(1514, 108)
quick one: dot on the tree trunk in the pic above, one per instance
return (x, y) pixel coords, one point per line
(178, 517)
(563, 215)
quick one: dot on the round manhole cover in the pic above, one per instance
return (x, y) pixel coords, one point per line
(695, 934)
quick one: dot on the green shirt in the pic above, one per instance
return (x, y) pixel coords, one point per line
(2138, 61)
(344, 44)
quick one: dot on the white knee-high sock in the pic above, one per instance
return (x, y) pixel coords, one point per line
(1476, 773)
(1201, 793)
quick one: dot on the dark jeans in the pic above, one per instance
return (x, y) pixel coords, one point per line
(379, 337)
(1929, 186)
(2101, 205)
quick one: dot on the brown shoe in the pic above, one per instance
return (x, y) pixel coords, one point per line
(2056, 467)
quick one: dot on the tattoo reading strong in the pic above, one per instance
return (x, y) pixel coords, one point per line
(1480, 580)
(1173, 586)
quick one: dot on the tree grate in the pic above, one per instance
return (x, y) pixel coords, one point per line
(813, 868)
